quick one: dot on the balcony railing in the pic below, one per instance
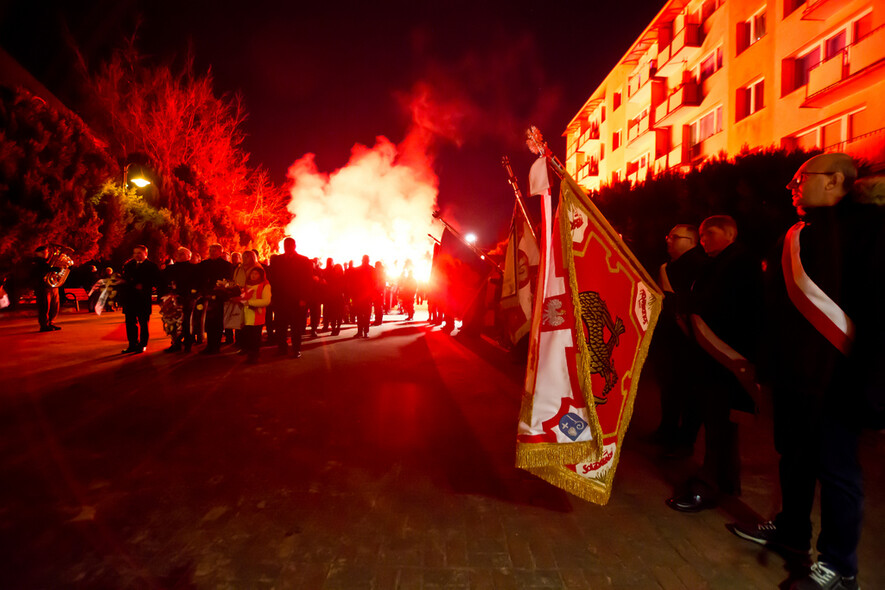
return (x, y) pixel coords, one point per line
(684, 96)
(592, 133)
(638, 129)
(670, 57)
(858, 66)
(637, 83)
(821, 9)
(590, 169)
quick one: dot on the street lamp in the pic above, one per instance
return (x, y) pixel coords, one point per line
(138, 180)
(471, 238)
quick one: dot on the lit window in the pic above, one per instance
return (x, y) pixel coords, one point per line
(706, 126)
(750, 99)
(751, 30)
(710, 65)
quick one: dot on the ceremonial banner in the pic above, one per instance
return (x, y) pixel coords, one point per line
(590, 337)
(520, 272)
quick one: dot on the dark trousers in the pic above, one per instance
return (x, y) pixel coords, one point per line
(214, 323)
(197, 319)
(251, 341)
(333, 311)
(47, 306)
(288, 317)
(674, 359)
(378, 304)
(314, 307)
(818, 445)
(363, 310)
(185, 338)
(721, 469)
(137, 327)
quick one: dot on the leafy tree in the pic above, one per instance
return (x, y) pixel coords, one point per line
(51, 168)
(174, 124)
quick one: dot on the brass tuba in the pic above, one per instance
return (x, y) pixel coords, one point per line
(61, 263)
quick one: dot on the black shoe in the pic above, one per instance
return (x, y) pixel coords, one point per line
(130, 350)
(54, 327)
(173, 348)
(46, 329)
(691, 502)
(767, 535)
(296, 355)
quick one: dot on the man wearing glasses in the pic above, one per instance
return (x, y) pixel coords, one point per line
(674, 351)
(824, 290)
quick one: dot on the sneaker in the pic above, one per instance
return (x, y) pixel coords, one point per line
(765, 534)
(821, 577)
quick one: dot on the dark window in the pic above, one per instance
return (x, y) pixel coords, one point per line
(835, 44)
(863, 26)
(804, 64)
(790, 6)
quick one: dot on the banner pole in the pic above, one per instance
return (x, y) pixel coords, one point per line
(511, 178)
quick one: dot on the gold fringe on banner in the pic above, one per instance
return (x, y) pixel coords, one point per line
(552, 454)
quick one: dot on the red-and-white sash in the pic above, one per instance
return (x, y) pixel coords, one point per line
(816, 306)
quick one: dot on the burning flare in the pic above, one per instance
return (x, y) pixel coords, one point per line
(379, 204)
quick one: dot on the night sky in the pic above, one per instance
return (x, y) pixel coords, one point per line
(321, 78)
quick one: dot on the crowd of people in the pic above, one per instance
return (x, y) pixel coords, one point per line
(236, 298)
(802, 325)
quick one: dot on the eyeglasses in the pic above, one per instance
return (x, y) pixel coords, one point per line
(801, 177)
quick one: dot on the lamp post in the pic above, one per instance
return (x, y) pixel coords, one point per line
(138, 180)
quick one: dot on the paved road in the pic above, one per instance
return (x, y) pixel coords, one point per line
(379, 463)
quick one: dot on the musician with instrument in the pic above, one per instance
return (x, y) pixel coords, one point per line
(49, 269)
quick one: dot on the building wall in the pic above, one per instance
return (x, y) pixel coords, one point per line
(718, 76)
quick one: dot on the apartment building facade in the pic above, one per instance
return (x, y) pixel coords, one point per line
(713, 76)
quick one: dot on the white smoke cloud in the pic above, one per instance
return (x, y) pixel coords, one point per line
(380, 203)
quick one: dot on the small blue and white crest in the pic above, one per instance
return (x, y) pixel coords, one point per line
(572, 425)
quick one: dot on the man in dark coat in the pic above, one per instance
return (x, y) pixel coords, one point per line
(47, 297)
(213, 271)
(290, 275)
(364, 290)
(827, 337)
(140, 276)
(725, 306)
(179, 279)
(674, 351)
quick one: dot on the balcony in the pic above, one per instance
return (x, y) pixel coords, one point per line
(639, 85)
(589, 170)
(684, 45)
(639, 128)
(858, 66)
(588, 139)
(821, 9)
(686, 95)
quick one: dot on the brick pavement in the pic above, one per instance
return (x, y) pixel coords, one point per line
(380, 463)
